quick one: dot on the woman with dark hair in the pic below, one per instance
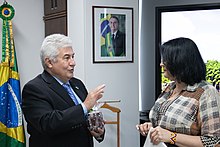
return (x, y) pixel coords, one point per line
(187, 113)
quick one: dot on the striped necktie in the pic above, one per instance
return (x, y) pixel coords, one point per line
(70, 92)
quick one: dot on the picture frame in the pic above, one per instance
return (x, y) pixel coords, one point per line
(106, 48)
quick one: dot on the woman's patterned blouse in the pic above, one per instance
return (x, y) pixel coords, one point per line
(195, 111)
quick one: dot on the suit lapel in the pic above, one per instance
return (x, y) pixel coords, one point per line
(57, 88)
(117, 35)
(77, 91)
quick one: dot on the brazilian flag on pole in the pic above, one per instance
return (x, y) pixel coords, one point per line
(106, 40)
(11, 122)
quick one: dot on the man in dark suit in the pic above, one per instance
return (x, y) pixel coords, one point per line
(118, 37)
(55, 118)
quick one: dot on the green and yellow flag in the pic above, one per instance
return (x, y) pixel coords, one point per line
(106, 40)
(11, 122)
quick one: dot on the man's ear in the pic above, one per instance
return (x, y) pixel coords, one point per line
(48, 63)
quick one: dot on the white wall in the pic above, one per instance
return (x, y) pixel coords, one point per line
(121, 79)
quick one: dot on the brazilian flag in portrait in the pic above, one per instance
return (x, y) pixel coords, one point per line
(106, 41)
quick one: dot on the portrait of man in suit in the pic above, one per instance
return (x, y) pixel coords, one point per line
(114, 35)
(117, 37)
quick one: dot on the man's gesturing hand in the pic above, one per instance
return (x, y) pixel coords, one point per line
(93, 96)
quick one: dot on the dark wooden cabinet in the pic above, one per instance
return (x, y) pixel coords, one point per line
(55, 16)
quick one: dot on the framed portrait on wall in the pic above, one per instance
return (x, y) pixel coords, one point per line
(112, 34)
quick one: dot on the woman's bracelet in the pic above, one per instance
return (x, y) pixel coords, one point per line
(173, 138)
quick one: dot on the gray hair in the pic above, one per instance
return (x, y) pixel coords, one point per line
(51, 45)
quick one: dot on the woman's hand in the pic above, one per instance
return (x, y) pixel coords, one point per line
(144, 128)
(159, 134)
